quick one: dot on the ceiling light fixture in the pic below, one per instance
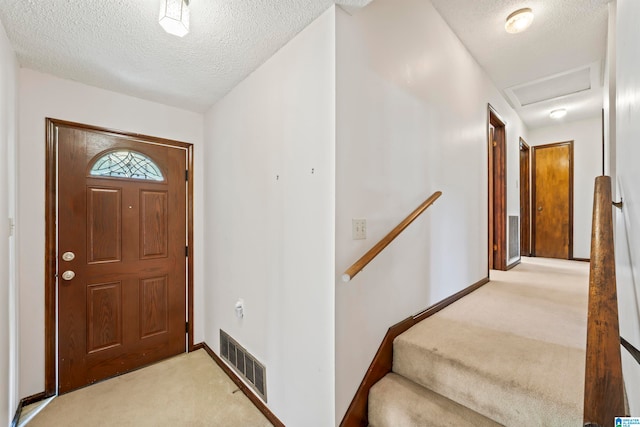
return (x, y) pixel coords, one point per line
(519, 20)
(558, 114)
(174, 17)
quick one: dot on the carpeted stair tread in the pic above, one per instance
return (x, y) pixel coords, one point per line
(395, 401)
(512, 379)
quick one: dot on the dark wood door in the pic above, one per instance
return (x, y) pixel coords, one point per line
(492, 248)
(121, 295)
(497, 193)
(525, 200)
(553, 200)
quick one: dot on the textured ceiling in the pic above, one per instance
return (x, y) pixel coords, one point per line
(119, 45)
(565, 35)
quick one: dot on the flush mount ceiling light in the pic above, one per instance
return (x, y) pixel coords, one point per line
(174, 17)
(558, 114)
(519, 20)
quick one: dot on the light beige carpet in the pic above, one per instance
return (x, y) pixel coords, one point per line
(187, 390)
(512, 351)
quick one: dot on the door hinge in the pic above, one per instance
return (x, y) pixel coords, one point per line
(186, 327)
(495, 247)
(186, 175)
(495, 144)
(186, 251)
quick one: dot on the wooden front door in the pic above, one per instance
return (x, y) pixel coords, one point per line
(525, 200)
(121, 254)
(553, 200)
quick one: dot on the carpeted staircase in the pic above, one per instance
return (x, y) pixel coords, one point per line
(511, 353)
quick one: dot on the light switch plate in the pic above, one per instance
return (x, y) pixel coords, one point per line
(358, 229)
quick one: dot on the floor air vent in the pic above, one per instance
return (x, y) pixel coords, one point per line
(244, 364)
(514, 236)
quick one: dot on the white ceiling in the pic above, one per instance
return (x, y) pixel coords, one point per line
(118, 45)
(566, 35)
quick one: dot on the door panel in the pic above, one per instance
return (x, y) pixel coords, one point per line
(104, 316)
(154, 306)
(126, 305)
(553, 201)
(104, 240)
(154, 224)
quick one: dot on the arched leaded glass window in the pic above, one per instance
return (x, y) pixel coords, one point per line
(126, 164)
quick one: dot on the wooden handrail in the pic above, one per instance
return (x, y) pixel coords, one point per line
(603, 388)
(384, 242)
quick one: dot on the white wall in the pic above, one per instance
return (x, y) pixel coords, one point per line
(270, 232)
(411, 119)
(8, 312)
(609, 96)
(627, 147)
(587, 165)
(42, 96)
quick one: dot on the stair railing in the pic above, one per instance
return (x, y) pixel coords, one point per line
(603, 388)
(357, 266)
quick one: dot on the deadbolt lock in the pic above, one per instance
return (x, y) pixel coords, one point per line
(68, 256)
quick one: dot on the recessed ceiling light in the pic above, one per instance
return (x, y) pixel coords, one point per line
(174, 17)
(519, 20)
(558, 114)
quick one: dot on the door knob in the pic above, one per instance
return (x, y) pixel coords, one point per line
(68, 275)
(539, 208)
(68, 256)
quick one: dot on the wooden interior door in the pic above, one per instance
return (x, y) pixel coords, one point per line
(553, 200)
(121, 254)
(525, 200)
(497, 192)
(491, 204)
